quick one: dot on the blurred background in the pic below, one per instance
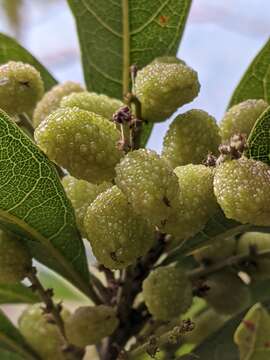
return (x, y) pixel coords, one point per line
(220, 40)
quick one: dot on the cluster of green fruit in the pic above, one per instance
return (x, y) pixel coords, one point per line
(121, 200)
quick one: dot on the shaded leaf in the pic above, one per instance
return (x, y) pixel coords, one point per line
(11, 50)
(33, 205)
(16, 293)
(255, 83)
(12, 340)
(259, 138)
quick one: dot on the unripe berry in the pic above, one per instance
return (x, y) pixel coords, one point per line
(191, 136)
(167, 292)
(258, 268)
(241, 118)
(242, 188)
(168, 60)
(227, 293)
(15, 260)
(197, 201)
(41, 334)
(82, 142)
(21, 87)
(216, 252)
(163, 87)
(90, 324)
(117, 235)
(51, 100)
(149, 184)
(99, 104)
(81, 193)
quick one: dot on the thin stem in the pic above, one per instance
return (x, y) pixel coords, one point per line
(205, 271)
(126, 47)
(46, 296)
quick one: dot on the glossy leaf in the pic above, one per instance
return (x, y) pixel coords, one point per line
(255, 83)
(16, 293)
(11, 50)
(12, 340)
(259, 139)
(33, 205)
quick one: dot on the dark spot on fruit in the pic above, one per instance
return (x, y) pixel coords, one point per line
(166, 201)
(249, 325)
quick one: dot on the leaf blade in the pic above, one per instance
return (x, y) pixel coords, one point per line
(16, 293)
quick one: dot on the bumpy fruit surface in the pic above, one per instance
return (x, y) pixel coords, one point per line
(99, 104)
(163, 87)
(197, 201)
(21, 87)
(216, 252)
(42, 335)
(259, 268)
(89, 324)
(117, 235)
(14, 259)
(82, 142)
(51, 100)
(167, 292)
(242, 188)
(81, 194)
(241, 118)
(149, 184)
(191, 136)
(168, 60)
(227, 293)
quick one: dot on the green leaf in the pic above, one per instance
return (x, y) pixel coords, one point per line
(7, 355)
(12, 340)
(255, 83)
(259, 139)
(33, 205)
(11, 50)
(16, 293)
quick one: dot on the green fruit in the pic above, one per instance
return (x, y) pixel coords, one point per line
(81, 194)
(214, 253)
(191, 136)
(167, 292)
(241, 118)
(21, 87)
(15, 260)
(227, 293)
(163, 87)
(259, 268)
(99, 104)
(149, 184)
(197, 201)
(42, 335)
(168, 60)
(82, 142)
(90, 324)
(117, 235)
(51, 100)
(242, 188)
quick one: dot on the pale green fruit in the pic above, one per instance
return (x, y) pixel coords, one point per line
(227, 293)
(90, 324)
(191, 136)
(163, 87)
(82, 142)
(149, 184)
(167, 292)
(97, 103)
(51, 100)
(42, 335)
(21, 87)
(15, 260)
(81, 194)
(259, 268)
(197, 202)
(168, 60)
(242, 188)
(241, 118)
(118, 235)
(216, 252)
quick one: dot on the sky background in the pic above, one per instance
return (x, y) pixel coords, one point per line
(220, 40)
